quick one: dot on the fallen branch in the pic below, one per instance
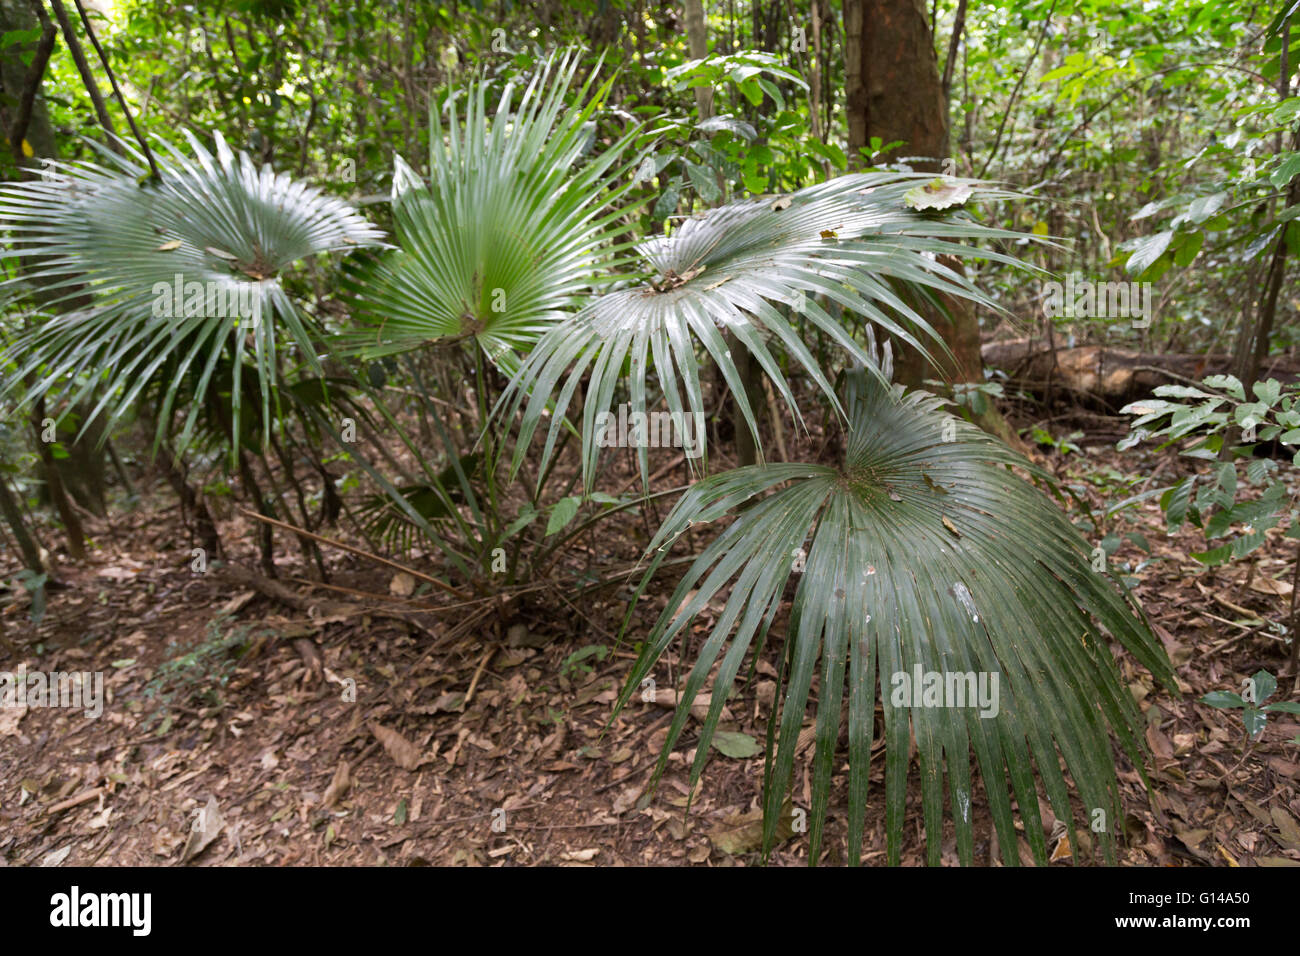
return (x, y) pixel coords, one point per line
(76, 801)
(1111, 376)
(359, 552)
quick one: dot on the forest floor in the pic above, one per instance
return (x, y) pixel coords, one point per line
(467, 746)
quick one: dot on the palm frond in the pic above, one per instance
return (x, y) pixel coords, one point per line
(928, 554)
(852, 241)
(511, 226)
(185, 269)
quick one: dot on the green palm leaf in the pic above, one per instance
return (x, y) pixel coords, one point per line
(511, 226)
(853, 241)
(112, 246)
(923, 553)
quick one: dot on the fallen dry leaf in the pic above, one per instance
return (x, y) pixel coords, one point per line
(1273, 586)
(668, 697)
(56, 857)
(338, 786)
(743, 832)
(208, 824)
(404, 753)
(9, 719)
(1286, 826)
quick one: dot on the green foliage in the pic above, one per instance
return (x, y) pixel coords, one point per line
(197, 676)
(123, 241)
(754, 270)
(512, 257)
(509, 228)
(924, 554)
(1240, 498)
(34, 585)
(1254, 712)
(575, 664)
(1064, 445)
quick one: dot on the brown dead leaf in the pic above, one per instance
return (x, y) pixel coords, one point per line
(1271, 586)
(1192, 839)
(1062, 849)
(56, 857)
(1286, 825)
(625, 800)
(743, 833)
(1255, 810)
(404, 753)
(338, 786)
(237, 602)
(115, 573)
(1160, 744)
(667, 697)
(207, 826)
(9, 719)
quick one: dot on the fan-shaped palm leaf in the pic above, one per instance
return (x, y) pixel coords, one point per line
(184, 270)
(852, 240)
(512, 224)
(926, 554)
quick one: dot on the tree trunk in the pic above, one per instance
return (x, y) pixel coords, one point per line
(13, 515)
(22, 107)
(894, 92)
(1255, 331)
(697, 38)
(892, 80)
(54, 486)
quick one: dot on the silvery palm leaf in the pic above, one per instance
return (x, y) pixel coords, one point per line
(176, 273)
(917, 556)
(513, 223)
(854, 242)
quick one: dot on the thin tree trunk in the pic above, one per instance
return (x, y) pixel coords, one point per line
(54, 485)
(83, 67)
(192, 503)
(1252, 339)
(958, 27)
(14, 517)
(697, 38)
(894, 92)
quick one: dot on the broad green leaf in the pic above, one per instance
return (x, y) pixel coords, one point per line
(737, 746)
(511, 225)
(759, 275)
(1223, 699)
(166, 313)
(1265, 684)
(922, 556)
(564, 511)
(1147, 250)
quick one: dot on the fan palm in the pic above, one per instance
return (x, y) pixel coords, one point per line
(180, 272)
(926, 555)
(511, 226)
(519, 216)
(855, 241)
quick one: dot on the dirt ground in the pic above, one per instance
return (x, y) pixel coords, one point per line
(468, 746)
